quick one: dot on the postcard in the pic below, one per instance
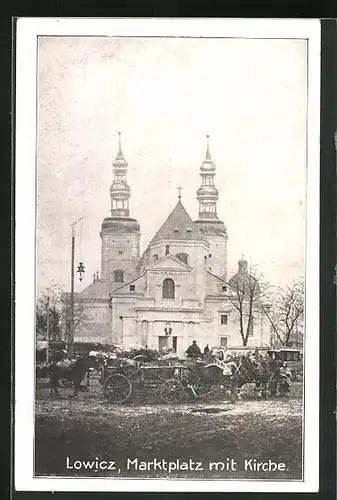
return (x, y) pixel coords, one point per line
(167, 243)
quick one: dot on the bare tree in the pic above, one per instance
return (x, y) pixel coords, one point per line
(247, 291)
(49, 312)
(287, 313)
(80, 315)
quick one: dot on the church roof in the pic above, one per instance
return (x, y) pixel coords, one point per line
(97, 290)
(213, 227)
(178, 226)
(120, 287)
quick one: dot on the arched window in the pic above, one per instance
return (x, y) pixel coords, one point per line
(155, 257)
(168, 288)
(119, 276)
(183, 257)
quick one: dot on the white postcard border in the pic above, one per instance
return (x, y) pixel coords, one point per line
(28, 29)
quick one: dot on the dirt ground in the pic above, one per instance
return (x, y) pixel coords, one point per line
(90, 429)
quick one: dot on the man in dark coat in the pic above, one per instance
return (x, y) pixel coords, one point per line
(193, 350)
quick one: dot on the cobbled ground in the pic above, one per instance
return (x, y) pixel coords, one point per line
(88, 429)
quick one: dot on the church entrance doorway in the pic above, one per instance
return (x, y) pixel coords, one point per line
(162, 343)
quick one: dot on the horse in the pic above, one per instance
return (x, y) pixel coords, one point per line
(263, 372)
(257, 371)
(205, 375)
(75, 373)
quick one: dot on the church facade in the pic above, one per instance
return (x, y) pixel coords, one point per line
(178, 290)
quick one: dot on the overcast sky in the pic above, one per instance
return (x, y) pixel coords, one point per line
(165, 95)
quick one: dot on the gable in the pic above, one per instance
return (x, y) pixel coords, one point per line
(169, 262)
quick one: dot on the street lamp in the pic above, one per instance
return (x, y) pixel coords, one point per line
(81, 271)
(71, 336)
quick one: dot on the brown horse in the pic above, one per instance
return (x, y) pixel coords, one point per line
(74, 374)
(263, 372)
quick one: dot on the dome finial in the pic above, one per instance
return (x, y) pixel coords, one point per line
(119, 153)
(208, 155)
(120, 157)
(243, 264)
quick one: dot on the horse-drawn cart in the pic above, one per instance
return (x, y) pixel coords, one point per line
(173, 383)
(122, 377)
(168, 378)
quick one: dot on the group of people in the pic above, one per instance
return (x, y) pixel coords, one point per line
(279, 369)
(194, 351)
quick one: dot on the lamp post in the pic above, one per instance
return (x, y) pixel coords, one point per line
(71, 336)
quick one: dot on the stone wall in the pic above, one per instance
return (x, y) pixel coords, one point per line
(217, 263)
(119, 251)
(214, 309)
(96, 325)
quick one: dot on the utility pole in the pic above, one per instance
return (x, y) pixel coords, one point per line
(72, 325)
(48, 331)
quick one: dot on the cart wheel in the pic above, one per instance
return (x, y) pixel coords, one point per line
(117, 388)
(172, 391)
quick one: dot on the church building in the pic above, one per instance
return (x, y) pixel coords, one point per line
(178, 290)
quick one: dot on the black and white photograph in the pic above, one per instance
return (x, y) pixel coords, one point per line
(167, 176)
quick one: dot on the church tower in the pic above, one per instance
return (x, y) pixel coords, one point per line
(120, 234)
(213, 229)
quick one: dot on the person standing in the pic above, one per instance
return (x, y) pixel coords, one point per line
(193, 351)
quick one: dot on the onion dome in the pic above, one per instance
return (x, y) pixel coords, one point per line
(208, 164)
(207, 194)
(119, 189)
(243, 281)
(120, 165)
